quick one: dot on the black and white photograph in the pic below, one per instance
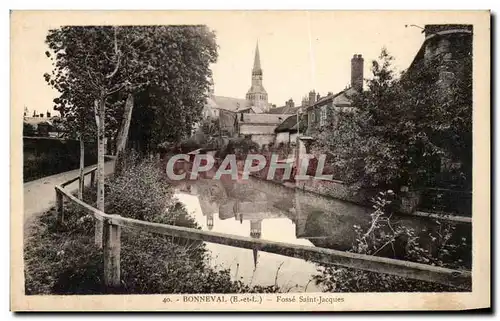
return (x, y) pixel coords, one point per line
(264, 160)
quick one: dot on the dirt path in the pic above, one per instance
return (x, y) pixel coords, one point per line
(39, 195)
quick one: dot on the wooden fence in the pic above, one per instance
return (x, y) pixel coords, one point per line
(114, 223)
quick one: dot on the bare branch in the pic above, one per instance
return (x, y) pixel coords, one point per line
(117, 88)
(92, 82)
(117, 57)
(96, 112)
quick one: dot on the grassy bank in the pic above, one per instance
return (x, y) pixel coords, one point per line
(64, 259)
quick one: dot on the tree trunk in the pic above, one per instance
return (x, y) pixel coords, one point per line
(82, 166)
(100, 119)
(123, 135)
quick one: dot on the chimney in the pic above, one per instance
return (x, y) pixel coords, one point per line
(48, 114)
(357, 72)
(304, 101)
(312, 98)
(291, 103)
(318, 96)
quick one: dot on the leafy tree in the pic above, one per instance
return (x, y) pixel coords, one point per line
(97, 69)
(404, 127)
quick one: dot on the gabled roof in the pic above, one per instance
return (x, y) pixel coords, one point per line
(255, 109)
(284, 110)
(227, 103)
(290, 124)
(340, 99)
(37, 120)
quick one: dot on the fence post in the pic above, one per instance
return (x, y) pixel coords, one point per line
(111, 249)
(92, 178)
(59, 206)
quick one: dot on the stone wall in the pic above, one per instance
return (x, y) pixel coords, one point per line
(263, 139)
(335, 189)
(249, 129)
(283, 137)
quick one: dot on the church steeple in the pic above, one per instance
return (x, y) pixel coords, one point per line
(256, 61)
(257, 95)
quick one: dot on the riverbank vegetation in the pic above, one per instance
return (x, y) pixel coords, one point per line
(412, 130)
(65, 260)
(441, 247)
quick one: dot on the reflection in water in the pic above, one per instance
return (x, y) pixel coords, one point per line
(264, 210)
(272, 212)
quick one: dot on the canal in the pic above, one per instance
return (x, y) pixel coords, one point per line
(269, 211)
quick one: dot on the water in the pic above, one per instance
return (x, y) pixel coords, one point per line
(269, 211)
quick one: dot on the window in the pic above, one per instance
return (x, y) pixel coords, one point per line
(312, 116)
(322, 119)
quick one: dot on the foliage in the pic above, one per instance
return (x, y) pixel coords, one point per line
(48, 156)
(384, 238)
(165, 67)
(240, 146)
(210, 128)
(404, 128)
(65, 260)
(141, 192)
(28, 129)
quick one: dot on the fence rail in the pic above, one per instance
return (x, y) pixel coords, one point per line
(112, 246)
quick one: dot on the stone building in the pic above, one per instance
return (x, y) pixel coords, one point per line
(448, 50)
(320, 110)
(445, 47)
(255, 101)
(257, 95)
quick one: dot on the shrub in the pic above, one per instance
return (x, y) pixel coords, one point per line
(399, 242)
(48, 156)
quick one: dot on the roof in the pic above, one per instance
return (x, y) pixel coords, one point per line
(37, 120)
(256, 61)
(290, 124)
(340, 99)
(227, 103)
(261, 119)
(255, 109)
(284, 110)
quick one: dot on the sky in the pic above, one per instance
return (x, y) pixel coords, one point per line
(305, 51)
(299, 50)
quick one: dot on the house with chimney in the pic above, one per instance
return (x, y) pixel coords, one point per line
(320, 110)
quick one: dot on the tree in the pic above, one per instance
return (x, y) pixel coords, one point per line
(98, 69)
(403, 127)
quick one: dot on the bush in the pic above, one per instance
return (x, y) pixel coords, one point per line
(47, 156)
(398, 242)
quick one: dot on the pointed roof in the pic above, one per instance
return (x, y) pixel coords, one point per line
(255, 253)
(256, 61)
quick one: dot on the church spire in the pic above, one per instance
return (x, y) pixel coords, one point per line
(257, 95)
(256, 61)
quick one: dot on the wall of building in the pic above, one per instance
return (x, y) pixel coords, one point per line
(249, 129)
(261, 118)
(314, 115)
(283, 137)
(263, 139)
